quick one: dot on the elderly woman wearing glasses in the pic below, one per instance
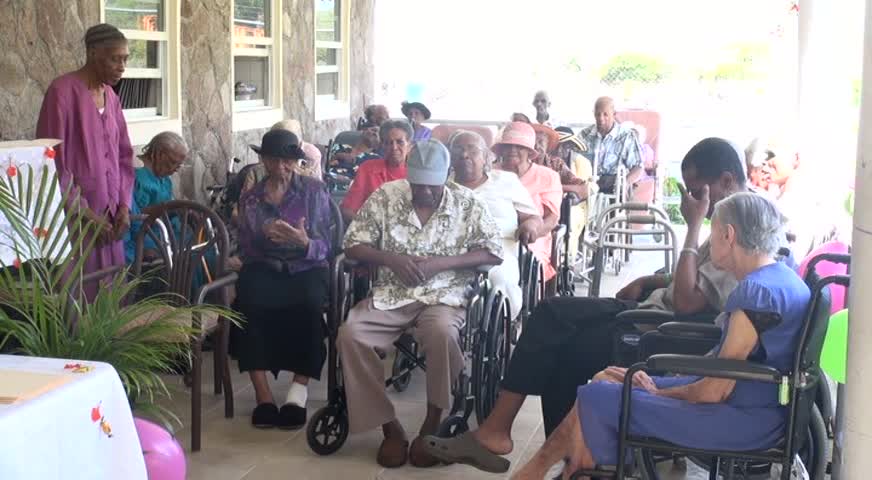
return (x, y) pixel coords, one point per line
(507, 200)
(516, 149)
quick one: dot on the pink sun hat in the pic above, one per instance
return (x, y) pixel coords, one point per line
(516, 133)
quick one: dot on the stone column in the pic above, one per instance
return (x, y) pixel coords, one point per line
(857, 462)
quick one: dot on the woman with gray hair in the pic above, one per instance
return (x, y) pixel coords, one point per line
(507, 200)
(761, 322)
(161, 158)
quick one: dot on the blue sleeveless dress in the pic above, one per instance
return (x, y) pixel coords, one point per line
(751, 417)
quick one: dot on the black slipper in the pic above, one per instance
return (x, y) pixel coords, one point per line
(265, 415)
(291, 417)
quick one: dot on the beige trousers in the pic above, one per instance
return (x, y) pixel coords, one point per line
(437, 331)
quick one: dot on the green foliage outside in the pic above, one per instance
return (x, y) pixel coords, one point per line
(747, 63)
(633, 67)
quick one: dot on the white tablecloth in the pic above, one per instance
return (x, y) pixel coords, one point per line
(53, 435)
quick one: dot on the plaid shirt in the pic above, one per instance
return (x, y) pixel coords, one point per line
(619, 145)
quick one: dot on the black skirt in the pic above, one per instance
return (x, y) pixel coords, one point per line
(284, 320)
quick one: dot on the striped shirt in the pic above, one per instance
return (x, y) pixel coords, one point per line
(619, 145)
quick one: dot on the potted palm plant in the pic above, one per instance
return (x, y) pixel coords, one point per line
(43, 311)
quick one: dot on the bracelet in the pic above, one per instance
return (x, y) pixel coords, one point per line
(691, 251)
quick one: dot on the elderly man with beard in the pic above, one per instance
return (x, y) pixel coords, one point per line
(426, 236)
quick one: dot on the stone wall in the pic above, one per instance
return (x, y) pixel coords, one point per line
(33, 54)
(39, 40)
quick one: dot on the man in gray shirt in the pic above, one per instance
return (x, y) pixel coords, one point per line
(568, 339)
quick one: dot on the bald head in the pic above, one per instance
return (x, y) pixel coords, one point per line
(541, 102)
(604, 113)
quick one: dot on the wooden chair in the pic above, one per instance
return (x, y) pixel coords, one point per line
(191, 234)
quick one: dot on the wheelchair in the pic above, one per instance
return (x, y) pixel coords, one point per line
(615, 233)
(484, 340)
(678, 347)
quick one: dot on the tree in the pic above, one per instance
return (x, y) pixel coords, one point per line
(747, 63)
(635, 67)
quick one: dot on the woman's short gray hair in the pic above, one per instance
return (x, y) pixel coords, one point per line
(758, 223)
(164, 141)
(402, 125)
(489, 157)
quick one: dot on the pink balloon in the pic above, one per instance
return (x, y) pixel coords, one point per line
(826, 269)
(164, 457)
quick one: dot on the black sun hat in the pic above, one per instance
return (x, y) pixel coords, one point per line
(406, 106)
(280, 144)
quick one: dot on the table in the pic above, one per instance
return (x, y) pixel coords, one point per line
(61, 433)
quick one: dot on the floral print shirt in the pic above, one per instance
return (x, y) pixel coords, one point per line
(388, 222)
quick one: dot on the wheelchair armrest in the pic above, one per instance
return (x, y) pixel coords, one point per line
(228, 279)
(645, 317)
(691, 330)
(713, 367)
(102, 274)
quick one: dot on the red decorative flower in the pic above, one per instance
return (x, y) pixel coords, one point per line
(794, 7)
(50, 153)
(95, 414)
(12, 171)
(40, 232)
(16, 263)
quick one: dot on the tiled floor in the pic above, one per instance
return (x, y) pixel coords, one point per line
(233, 450)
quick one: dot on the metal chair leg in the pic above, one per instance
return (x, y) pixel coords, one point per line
(196, 392)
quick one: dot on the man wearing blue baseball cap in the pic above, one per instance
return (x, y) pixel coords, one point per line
(426, 236)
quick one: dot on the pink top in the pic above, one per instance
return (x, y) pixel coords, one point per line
(544, 186)
(96, 155)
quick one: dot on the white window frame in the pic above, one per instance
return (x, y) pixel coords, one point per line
(145, 123)
(250, 115)
(328, 107)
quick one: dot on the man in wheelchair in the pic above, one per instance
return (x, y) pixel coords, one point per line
(569, 339)
(426, 237)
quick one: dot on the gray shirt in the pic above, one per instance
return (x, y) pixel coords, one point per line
(714, 283)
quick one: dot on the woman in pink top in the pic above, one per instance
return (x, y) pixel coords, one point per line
(515, 149)
(95, 159)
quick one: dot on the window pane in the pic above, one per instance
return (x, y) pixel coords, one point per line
(251, 18)
(145, 15)
(328, 56)
(141, 93)
(143, 54)
(251, 78)
(327, 20)
(328, 84)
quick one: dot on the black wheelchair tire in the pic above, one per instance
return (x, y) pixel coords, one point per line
(491, 356)
(401, 383)
(327, 430)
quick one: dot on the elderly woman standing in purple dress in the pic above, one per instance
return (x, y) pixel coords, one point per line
(284, 236)
(95, 160)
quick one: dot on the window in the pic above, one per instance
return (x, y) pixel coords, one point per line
(331, 58)
(256, 76)
(149, 92)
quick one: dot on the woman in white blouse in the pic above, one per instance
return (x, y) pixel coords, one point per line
(509, 203)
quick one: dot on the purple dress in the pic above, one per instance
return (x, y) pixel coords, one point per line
(422, 134)
(751, 417)
(95, 158)
(282, 288)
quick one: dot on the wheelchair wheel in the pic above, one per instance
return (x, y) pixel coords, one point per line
(327, 430)
(452, 427)
(491, 357)
(401, 362)
(813, 455)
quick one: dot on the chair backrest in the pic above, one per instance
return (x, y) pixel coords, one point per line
(193, 231)
(648, 119)
(831, 258)
(349, 137)
(443, 132)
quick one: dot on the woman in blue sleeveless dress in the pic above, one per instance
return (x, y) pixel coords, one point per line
(761, 322)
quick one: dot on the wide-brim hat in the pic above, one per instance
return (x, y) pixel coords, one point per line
(564, 137)
(406, 106)
(553, 136)
(516, 133)
(280, 144)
